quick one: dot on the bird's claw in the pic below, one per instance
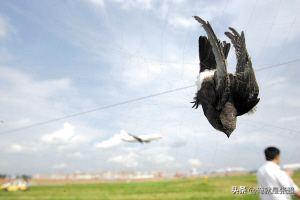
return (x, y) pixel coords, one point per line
(196, 103)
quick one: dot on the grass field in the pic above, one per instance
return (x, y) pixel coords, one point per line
(213, 188)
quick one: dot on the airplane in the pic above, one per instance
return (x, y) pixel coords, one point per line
(141, 138)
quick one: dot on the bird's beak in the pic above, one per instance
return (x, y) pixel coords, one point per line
(228, 118)
(228, 134)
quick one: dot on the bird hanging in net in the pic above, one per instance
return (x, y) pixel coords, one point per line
(223, 95)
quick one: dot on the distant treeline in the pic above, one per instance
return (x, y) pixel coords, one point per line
(23, 176)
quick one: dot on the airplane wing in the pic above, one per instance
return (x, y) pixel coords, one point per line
(141, 138)
(149, 138)
(136, 138)
(129, 140)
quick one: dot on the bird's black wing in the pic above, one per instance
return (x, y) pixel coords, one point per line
(242, 57)
(245, 89)
(221, 78)
(206, 55)
(207, 62)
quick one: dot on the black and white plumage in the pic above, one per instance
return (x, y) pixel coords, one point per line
(224, 96)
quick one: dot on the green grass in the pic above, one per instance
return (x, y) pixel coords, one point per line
(213, 188)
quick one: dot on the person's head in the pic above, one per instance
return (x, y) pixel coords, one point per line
(272, 154)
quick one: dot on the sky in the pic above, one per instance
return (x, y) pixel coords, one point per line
(63, 57)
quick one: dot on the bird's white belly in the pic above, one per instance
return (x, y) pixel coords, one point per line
(206, 74)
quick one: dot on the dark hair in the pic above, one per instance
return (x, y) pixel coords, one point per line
(271, 153)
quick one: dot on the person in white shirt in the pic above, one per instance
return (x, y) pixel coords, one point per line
(274, 183)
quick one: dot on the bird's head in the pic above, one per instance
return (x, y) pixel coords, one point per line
(228, 118)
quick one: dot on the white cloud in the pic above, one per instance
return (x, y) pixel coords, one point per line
(177, 142)
(60, 166)
(22, 82)
(182, 22)
(194, 162)
(76, 155)
(15, 148)
(293, 102)
(25, 94)
(63, 135)
(139, 72)
(99, 3)
(162, 158)
(289, 119)
(3, 28)
(111, 142)
(129, 160)
(21, 148)
(137, 4)
(126, 4)
(275, 81)
(22, 122)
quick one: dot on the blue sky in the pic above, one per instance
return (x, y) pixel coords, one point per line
(63, 57)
